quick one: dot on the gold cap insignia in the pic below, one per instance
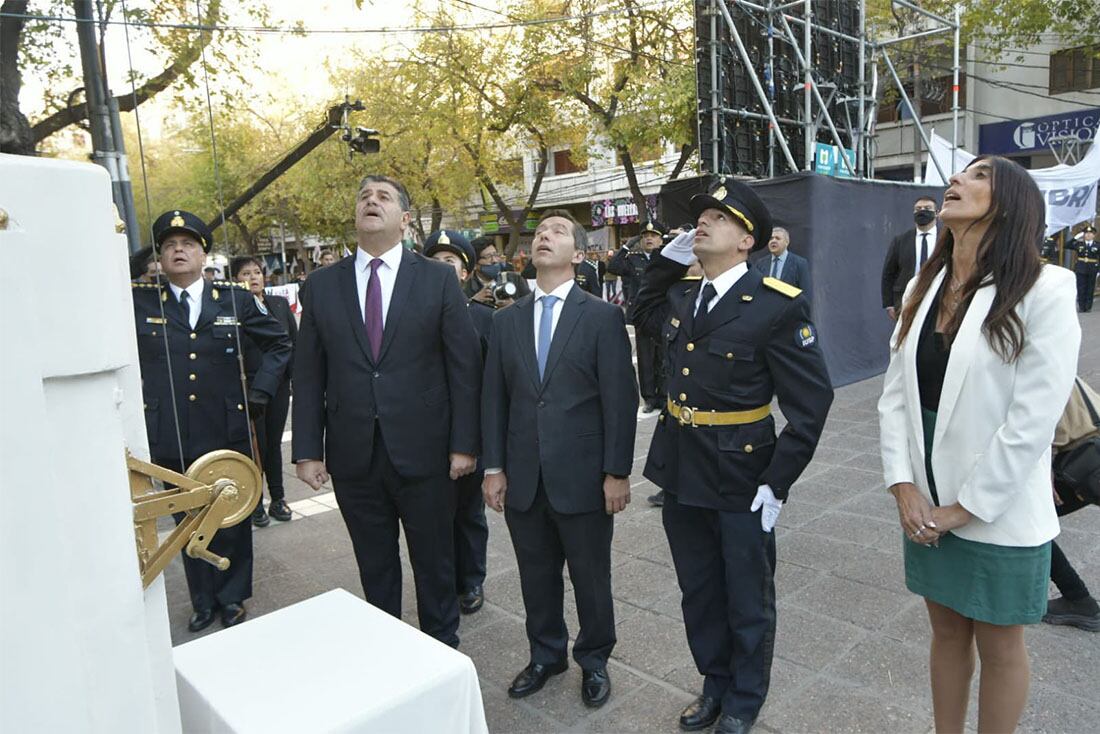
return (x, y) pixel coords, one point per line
(719, 193)
(649, 227)
(443, 238)
(177, 221)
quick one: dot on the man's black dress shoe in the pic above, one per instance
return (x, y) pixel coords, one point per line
(200, 620)
(279, 510)
(656, 500)
(470, 601)
(233, 614)
(259, 517)
(729, 724)
(700, 713)
(595, 687)
(532, 678)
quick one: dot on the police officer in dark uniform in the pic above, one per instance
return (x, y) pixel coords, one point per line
(630, 264)
(735, 339)
(588, 277)
(1088, 262)
(188, 348)
(1048, 251)
(471, 531)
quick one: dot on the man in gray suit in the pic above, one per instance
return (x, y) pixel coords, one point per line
(559, 413)
(785, 265)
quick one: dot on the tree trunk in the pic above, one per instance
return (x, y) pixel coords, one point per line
(250, 245)
(685, 154)
(632, 180)
(15, 129)
(437, 213)
(540, 174)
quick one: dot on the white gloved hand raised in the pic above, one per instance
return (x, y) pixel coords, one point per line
(766, 498)
(680, 249)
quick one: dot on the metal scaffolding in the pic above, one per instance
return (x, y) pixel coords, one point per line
(855, 132)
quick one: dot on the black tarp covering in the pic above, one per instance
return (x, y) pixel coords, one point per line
(843, 228)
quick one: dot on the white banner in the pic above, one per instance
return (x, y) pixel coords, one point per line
(289, 292)
(1069, 191)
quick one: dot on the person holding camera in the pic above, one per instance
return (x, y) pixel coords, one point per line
(471, 529)
(489, 283)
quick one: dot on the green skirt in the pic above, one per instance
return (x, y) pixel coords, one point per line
(989, 583)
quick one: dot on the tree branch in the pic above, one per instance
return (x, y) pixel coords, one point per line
(127, 102)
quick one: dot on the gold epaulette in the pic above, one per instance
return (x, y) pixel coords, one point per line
(137, 284)
(690, 278)
(229, 284)
(785, 288)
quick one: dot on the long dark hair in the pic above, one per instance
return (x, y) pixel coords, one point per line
(1007, 258)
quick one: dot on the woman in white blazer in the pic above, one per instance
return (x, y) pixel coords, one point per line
(982, 363)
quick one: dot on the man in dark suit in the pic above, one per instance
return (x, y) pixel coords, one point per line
(189, 332)
(588, 277)
(471, 529)
(907, 254)
(386, 394)
(270, 423)
(785, 265)
(736, 340)
(559, 414)
(629, 263)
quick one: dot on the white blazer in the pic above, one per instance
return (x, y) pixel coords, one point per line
(995, 423)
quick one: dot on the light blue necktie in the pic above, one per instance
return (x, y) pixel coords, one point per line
(775, 265)
(546, 321)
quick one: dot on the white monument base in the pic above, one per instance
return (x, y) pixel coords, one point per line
(332, 663)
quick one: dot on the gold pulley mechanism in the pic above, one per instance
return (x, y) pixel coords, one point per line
(219, 490)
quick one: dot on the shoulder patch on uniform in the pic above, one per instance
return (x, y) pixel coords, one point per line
(806, 335)
(785, 288)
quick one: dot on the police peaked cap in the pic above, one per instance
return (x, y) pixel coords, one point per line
(450, 241)
(178, 220)
(1088, 229)
(652, 225)
(736, 198)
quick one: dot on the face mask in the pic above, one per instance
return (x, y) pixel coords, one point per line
(924, 217)
(490, 271)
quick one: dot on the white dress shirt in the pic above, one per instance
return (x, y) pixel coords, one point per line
(561, 292)
(916, 246)
(722, 284)
(387, 276)
(194, 298)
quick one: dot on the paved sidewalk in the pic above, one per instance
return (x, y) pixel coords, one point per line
(852, 643)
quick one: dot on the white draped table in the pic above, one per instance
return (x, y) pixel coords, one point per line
(332, 663)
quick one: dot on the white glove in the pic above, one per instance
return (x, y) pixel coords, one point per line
(680, 249)
(766, 498)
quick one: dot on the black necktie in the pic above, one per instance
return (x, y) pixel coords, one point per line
(923, 249)
(701, 313)
(185, 308)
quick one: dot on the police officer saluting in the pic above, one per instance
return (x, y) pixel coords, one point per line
(1088, 262)
(189, 348)
(736, 339)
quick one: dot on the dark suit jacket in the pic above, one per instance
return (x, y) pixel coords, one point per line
(796, 271)
(572, 427)
(900, 267)
(206, 378)
(279, 308)
(755, 344)
(588, 278)
(423, 392)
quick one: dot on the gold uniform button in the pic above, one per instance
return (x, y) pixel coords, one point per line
(686, 371)
(154, 333)
(691, 346)
(240, 407)
(661, 417)
(194, 335)
(729, 355)
(748, 448)
(193, 355)
(192, 398)
(193, 377)
(683, 397)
